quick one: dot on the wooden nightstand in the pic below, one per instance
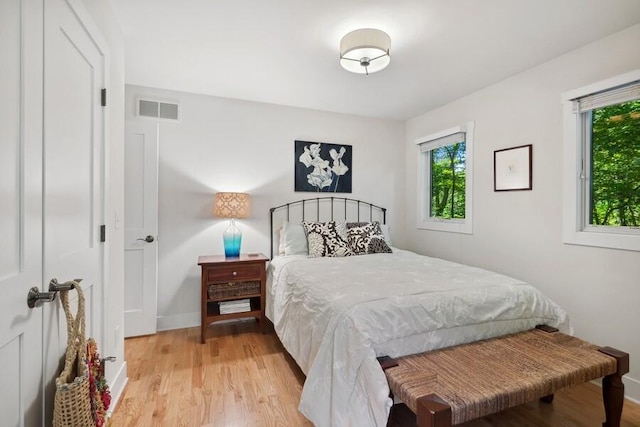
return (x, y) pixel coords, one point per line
(232, 279)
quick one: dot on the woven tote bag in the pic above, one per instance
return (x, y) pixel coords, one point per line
(72, 405)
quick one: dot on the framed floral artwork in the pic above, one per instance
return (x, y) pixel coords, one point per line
(322, 167)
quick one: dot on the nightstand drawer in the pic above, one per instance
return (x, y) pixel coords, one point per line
(233, 290)
(231, 273)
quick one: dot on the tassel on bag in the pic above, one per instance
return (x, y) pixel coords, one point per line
(98, 387)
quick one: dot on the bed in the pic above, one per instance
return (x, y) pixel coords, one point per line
(335, 315)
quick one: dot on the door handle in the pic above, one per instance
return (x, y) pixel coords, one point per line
(35, 298)
(148, 239)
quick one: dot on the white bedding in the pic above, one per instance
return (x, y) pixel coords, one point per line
(336, 315)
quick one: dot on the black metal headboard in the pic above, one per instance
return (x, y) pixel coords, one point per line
(327, 208)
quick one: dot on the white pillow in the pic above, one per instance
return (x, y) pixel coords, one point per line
(281, 242)
(295, 239)
(387, 234)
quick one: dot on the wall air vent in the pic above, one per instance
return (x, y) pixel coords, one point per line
(158, 110)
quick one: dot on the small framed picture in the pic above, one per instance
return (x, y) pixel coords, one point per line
(512, 168)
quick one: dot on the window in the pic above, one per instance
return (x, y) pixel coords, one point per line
(602, 164)
(445, 190)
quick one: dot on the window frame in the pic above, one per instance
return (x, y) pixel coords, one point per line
(576, 229)
(424, 220)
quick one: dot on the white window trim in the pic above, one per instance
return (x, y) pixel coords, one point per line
(574, 230)
(424, 221)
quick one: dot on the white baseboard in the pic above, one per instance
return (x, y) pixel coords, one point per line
(117, 387)
(178, 321)
(631, 389)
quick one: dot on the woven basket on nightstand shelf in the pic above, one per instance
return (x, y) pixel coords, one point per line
(234, 289)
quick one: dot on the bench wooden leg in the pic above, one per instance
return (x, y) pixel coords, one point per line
(613, 387)
(433, 412)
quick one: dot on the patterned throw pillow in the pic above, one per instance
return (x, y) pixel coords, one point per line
(324, 240)
(366, 238)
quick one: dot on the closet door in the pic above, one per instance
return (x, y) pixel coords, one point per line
(140, 221)
(51, 192)
(74, 164)
(21, 397)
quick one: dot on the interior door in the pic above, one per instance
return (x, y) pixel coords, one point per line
(73, 199)
(20, 211)
(141, 228)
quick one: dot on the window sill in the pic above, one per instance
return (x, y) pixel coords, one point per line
(628, 242)
(451, 226)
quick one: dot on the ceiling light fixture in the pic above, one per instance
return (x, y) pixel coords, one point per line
(365, 51)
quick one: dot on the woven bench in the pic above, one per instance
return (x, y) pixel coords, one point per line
(457, 384)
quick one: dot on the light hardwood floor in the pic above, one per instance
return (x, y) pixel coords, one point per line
(240, 377)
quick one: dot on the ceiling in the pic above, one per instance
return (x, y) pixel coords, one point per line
(287, 51)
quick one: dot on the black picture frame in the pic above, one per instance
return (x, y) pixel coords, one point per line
(512, 168)
(321, 167)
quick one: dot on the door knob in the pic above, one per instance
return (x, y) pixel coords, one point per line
(148, 239)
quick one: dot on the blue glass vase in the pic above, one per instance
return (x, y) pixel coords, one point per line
(232, 238)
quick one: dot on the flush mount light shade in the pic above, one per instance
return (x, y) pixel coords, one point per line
(365, 51)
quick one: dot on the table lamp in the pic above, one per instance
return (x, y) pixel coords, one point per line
(232, 205)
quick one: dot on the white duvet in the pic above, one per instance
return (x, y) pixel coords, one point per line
(336, 315)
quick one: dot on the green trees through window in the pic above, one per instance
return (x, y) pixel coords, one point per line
(615, 165)
(448, 178)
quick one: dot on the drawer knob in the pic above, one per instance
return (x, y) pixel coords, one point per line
(235, 273)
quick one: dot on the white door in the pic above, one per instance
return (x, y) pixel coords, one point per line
(141, 228)
(20, 211)
(74, 153)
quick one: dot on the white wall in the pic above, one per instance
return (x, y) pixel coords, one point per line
(113, 345)
(230, 145)
(520, 233)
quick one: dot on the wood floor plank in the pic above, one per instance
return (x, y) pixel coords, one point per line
(241, 377)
